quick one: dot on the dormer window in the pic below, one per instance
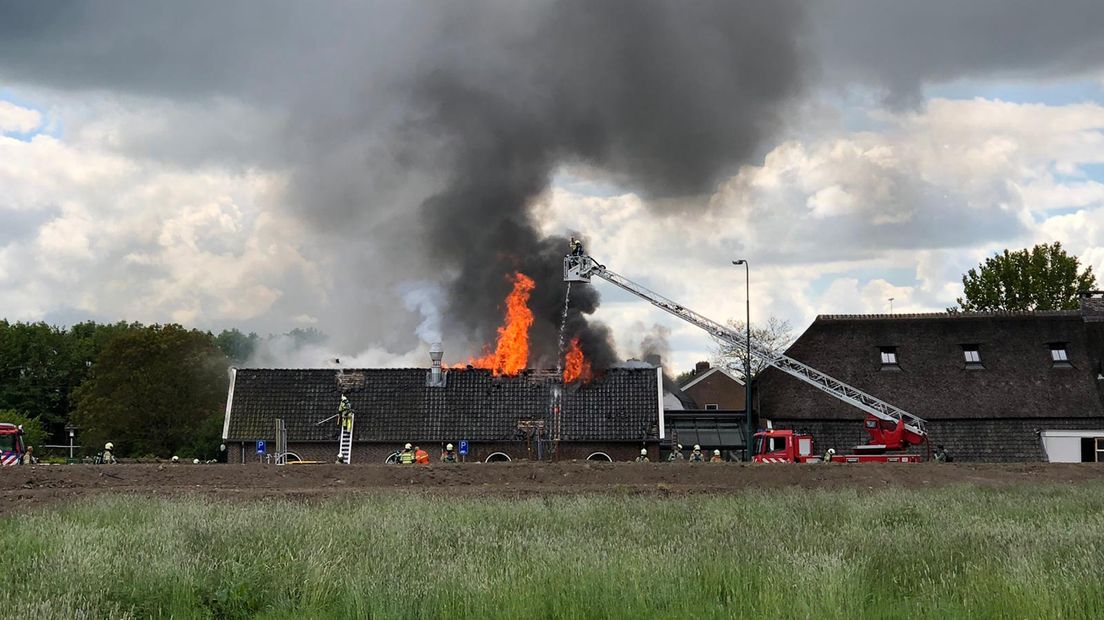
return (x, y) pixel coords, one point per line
(889, 358)
(1059, 355)
(972, 354)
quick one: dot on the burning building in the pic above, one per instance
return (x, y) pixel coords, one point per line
(496, 405)
(531, 415)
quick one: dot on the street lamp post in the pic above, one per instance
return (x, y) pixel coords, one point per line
(748, 440)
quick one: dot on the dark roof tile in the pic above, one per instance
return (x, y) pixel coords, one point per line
(1018, 379)
(396, 405)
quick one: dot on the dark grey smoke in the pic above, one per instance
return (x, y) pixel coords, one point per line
(900, 46)
(418, 134)
(670, 97)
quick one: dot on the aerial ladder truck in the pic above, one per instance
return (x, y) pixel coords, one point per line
(891, 428)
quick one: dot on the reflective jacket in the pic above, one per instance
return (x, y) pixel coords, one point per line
(448, 456)
(421, 457)
(696, 457)
(406, 457)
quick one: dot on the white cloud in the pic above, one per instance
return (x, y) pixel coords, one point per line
(839, 222)
(14, 119)
(138, 239)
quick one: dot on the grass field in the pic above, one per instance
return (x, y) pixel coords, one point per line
(944, 553)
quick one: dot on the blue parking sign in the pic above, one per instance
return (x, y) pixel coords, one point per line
(463, 447)
(260, 447)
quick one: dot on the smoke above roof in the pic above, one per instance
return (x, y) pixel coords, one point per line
(417, 137)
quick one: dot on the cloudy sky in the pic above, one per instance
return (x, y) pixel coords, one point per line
(372, 170)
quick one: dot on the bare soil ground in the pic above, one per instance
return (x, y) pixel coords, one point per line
(42, 485)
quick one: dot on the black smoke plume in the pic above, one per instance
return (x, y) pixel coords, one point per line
(668, 97)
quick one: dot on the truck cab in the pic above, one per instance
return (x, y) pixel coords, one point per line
(11, 444)
(783, 446)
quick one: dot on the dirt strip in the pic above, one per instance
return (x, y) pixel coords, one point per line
(43, 485)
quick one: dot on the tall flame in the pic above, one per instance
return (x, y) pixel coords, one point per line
(576, 365)
(511, 354)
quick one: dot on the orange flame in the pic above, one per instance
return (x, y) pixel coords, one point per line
(511, 354)
(576, 365)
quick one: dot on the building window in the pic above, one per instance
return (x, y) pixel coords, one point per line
(972, 355)
(1058, 354)
(711, 407)
(889, 357)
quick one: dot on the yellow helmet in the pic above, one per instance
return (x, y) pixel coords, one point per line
(109, 446)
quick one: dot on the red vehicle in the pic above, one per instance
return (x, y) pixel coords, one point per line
(11, 444)
(887, 440)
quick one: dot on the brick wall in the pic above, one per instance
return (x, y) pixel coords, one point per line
(967, 440)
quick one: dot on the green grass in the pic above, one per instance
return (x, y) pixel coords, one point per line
(960, 552)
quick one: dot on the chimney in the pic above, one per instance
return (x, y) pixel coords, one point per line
(654, 359)
(1092, 307)
(435, 378)
(701, 367)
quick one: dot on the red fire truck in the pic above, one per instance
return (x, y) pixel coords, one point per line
(887, 440)
(11, 444)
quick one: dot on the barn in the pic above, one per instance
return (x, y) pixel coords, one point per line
(993, 386)
(529, 416)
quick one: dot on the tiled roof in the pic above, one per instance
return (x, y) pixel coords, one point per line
(907, 316)
(396, 405)
(1017, 379)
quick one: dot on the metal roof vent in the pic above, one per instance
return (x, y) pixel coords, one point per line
(435, 377)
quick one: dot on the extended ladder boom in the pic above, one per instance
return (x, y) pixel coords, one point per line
(581, 268)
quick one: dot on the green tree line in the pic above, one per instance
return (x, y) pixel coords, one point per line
(149, 389)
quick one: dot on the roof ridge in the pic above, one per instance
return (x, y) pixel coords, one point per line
(949, 315)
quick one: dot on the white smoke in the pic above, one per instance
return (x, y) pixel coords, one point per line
(426, 298)
(287, 351)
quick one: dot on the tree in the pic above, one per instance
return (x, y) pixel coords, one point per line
(1042, 278)
(237, 346)
(154, 390)
(776, 335)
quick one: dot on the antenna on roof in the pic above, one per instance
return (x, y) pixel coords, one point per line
(891, 305)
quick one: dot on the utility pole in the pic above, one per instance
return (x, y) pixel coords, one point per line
(749, 437)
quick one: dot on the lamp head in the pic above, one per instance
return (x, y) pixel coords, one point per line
(739, 262)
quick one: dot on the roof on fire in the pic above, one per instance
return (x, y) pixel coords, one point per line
(396, 405)
(1016, 377)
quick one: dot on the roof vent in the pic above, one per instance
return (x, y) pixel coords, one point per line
(435, 377)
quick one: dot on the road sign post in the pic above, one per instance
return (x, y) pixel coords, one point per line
(463, 449)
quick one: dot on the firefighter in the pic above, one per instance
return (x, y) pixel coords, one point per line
(716, 458)
(449, 455)
(643, 458)
(421, 457)
(406, 457)
(108, 457)
(941, 455)
(828, 455)
(676, 454)
(696, 455)
(576, 247)
(345, 410)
